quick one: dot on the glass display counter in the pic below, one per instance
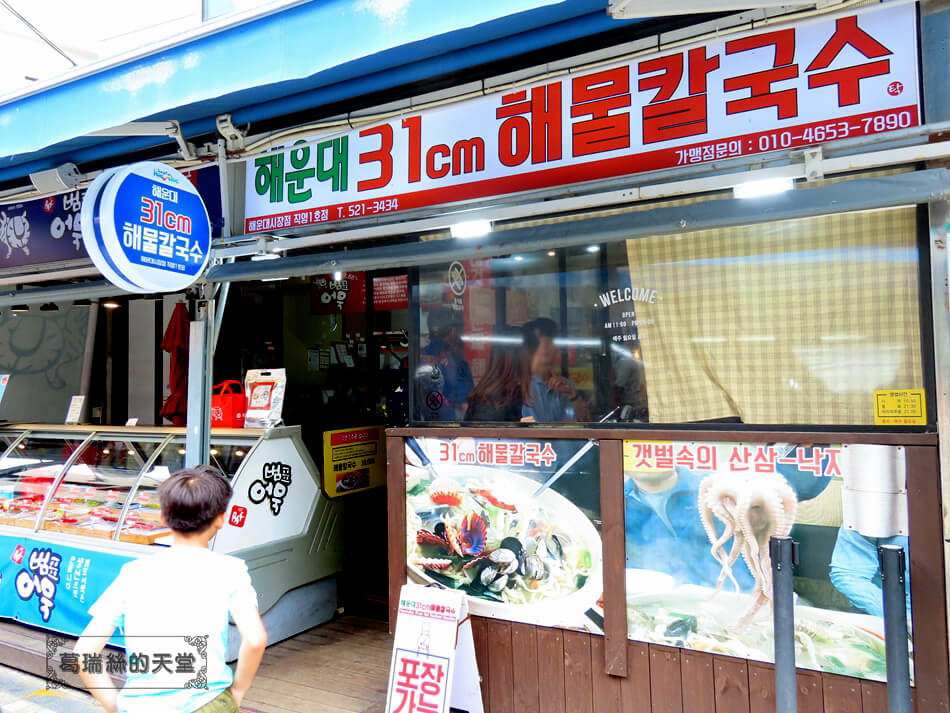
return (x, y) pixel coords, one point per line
(86, 498)
(99, 483)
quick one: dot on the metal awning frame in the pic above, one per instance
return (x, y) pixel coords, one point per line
(856, 194)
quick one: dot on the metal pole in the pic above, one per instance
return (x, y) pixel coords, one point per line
(86, 378)
(198, 433)
(224, 177)
(892, 561)
(784, 554)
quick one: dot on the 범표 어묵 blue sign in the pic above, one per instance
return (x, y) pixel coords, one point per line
(51, 585)
(146, 228)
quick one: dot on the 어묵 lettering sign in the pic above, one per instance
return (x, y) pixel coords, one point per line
(786, 86)
(50, 585)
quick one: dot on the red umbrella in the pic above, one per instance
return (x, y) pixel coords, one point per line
(175, 342)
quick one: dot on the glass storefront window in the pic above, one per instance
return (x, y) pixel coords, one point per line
(793, 322)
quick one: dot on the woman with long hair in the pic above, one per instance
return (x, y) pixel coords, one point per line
(497, 397)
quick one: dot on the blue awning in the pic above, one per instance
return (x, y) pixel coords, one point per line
(302, 57)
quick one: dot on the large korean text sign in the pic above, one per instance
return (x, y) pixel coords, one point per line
(146, 228)
(834, 77)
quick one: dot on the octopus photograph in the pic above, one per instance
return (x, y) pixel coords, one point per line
(699, 572)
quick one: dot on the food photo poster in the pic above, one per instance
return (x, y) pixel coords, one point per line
(698, 518)
(513, 523)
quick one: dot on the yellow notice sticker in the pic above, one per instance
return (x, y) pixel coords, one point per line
(906, 407)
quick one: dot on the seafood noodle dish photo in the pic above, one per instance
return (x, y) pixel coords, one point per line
(480, 530)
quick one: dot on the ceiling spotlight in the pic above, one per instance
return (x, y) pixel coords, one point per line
(17, 309)
(470, 229)
(49, 307)
(593, 248)
(551, 253)
(110, 304)
(518, 258)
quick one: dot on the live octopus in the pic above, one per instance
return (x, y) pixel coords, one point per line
(752, 508)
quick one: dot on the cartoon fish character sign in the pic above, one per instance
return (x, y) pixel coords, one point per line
(15, 233)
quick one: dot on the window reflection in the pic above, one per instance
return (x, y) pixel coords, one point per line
(794, 322)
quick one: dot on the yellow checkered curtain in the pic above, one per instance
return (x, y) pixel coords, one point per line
(791, 322)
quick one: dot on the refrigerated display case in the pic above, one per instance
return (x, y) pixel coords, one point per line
(87, 496)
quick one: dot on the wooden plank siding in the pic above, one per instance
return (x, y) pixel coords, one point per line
(559, 671)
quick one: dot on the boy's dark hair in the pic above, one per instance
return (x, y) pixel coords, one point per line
(192, 498)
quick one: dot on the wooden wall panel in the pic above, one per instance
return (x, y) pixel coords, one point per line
(732, 684)
(482, 658)
(606, 687)
(841, 694)
(613, 540)
(666, 683)
(635, 688)
(530, 669)
(762, 689)
(697, 676)
(551, 670)
(811, 695)
(873, 697)
(396, 509)
(578, 680)
(928, 590)
(500, 667)
(524, 652)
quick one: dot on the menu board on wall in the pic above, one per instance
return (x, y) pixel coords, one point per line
(698, 520)
(477, 523)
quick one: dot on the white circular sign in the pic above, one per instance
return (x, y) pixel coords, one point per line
(146, 228)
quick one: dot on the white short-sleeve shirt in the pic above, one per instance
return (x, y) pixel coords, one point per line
(155, 602)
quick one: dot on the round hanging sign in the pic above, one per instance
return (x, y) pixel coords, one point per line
(146, 228)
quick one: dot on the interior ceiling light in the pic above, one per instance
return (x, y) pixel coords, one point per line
(49, 307)
(470, 229)
(763, 187)
(20, 308)
(110, 304)
(264, 255)
(593, 248)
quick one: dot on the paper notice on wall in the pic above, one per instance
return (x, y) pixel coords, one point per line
(75, 409)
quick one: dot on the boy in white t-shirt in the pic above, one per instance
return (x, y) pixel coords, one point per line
(183, 591)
